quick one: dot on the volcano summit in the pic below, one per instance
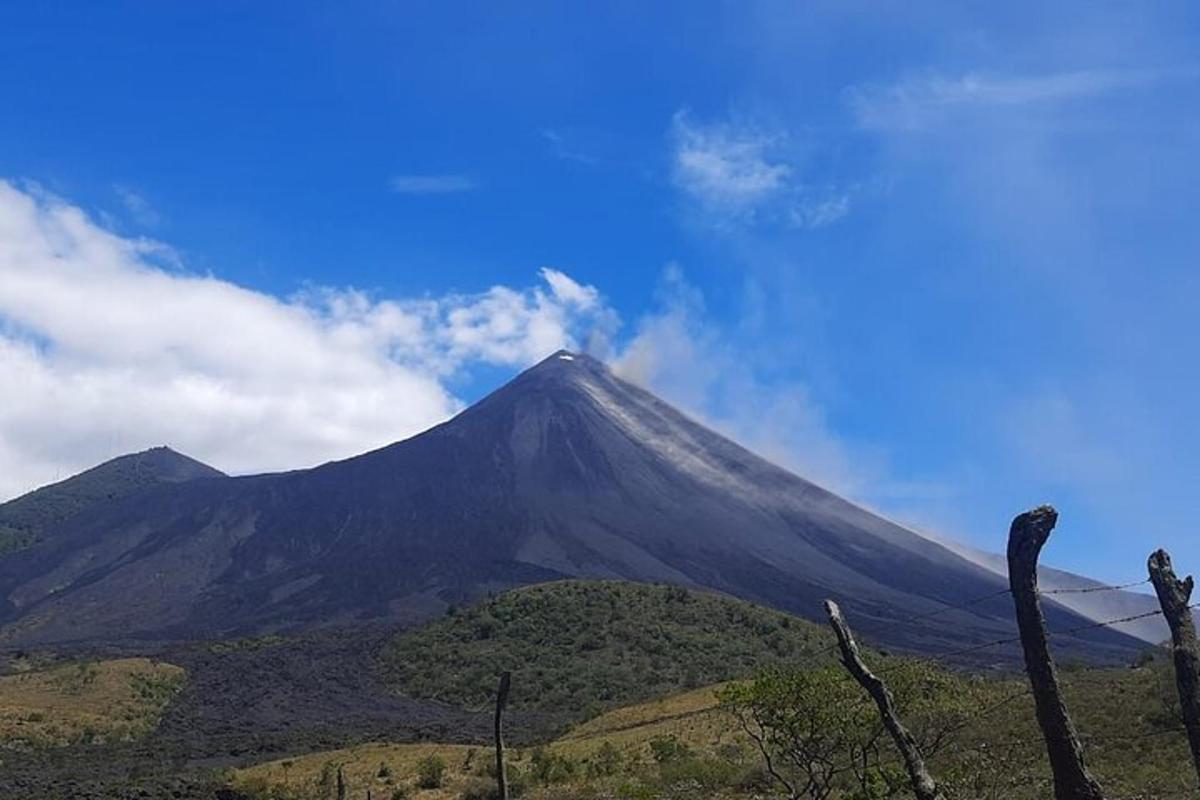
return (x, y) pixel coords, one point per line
(566, 471)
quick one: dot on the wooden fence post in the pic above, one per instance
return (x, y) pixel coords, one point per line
(501, 702)
(1026, 538)
(341, 784)
(922, 782)
(1174, 596)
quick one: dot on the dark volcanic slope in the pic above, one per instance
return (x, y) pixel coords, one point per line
(566, 471)
(28, 518)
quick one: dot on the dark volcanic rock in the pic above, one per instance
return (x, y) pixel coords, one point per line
(251, 701)
(566, 471)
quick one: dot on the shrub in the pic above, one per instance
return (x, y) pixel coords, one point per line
(548, 767)
(328, 777)
(431, 772)
(666, 749)
(479, 789)
(259, 789)
(606, 761)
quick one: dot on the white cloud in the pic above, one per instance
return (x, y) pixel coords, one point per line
(725, 165)
(817, 213)
(745, 173)
(916, 102)
(432, 184)
(139, 207)
(566, 150)
(569, 291)
(102, 351)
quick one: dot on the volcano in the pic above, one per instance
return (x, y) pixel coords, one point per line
(566, 471)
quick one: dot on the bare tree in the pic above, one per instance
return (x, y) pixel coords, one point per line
(922, 782)
(501, 702)
(1026, 539)
(1174, 596)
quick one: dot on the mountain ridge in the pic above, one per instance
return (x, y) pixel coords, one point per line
(25, 518)
(566, 471)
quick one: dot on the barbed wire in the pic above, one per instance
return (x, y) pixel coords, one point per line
(974, 601)
(1090, 589)
(1108, 623)
(1049, 635)
(1038, 741)
(1006, 591)
(1034, 741)
(966, 604)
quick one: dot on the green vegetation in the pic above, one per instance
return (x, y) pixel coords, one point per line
(85, 702)
(586, 646)
(431, 772)
(819, 732)
(13, 538)
(979, 736)
(244, 645)
(24, 519)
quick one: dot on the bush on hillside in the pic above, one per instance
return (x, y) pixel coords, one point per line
(431, 772)
(586, 646)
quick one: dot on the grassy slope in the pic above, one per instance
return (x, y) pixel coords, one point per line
(692, 718)
(587, 646)
(1122, 715)
(85, 701)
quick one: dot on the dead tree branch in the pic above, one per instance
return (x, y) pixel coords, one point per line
(1174, 596)
(922, 782)
(1026, 539)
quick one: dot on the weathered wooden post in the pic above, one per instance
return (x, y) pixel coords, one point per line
(922, 782)
(1026, 539)
(1174, 596)
(341, 784)
(501, 702)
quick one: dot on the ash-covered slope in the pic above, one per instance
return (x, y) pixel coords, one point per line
(566, 471)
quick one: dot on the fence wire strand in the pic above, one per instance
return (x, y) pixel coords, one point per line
(1091, 589)
(950, 607)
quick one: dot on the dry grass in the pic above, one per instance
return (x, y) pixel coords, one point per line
(1120, 713)
(656, 711)
(692, 718)
(382, 768)
(85, 701)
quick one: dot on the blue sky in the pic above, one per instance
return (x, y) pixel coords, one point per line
(940, 257)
